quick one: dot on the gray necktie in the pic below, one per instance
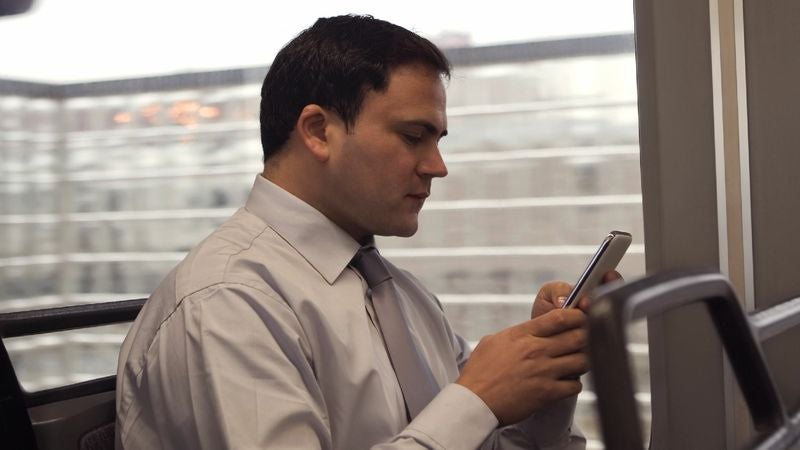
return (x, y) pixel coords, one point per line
(415, 376)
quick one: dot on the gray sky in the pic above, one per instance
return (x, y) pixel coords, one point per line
(74, 40)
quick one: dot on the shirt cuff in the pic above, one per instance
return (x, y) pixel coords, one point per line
(455, 419)
(553, 427)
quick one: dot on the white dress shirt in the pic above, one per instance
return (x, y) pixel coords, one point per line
(262, 338)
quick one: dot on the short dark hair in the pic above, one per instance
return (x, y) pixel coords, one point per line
(333, 64)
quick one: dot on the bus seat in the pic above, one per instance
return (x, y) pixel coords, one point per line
(75, 417)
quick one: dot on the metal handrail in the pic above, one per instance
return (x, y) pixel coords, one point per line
(49, 320)
(616, 306)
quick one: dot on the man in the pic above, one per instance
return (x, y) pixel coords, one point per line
(272, 334)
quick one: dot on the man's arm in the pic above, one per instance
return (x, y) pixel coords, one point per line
(232, 368)
(549, 426)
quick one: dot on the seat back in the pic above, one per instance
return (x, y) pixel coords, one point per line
(741, 335)
(78, 416)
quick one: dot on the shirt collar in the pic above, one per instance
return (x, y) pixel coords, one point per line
(321, 242)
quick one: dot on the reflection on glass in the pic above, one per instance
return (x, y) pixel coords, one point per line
(67, 357)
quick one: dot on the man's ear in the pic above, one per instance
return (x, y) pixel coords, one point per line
(311, 129)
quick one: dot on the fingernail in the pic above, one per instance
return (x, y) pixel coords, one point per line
(561, 300)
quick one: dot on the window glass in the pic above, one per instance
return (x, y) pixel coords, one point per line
(112, 165)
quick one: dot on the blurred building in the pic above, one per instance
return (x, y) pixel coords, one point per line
(104, 187)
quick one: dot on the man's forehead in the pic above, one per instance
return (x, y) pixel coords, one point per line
(419, 68)
(414, 84)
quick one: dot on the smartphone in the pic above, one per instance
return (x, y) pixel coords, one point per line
(605, 259)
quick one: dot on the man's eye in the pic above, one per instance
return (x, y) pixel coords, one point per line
(412, 139)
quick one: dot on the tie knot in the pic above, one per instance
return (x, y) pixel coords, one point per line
(371, 266)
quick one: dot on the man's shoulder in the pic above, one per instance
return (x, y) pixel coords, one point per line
(225, 264)
(230, 254)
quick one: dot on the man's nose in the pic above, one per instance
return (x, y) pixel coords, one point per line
(432, 164)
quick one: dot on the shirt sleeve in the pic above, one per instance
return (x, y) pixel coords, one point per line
(232, 368)
(551, 428)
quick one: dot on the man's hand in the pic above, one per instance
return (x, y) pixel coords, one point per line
(529, 366)
(552, 295)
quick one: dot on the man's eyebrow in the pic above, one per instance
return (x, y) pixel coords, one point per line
(429, 127)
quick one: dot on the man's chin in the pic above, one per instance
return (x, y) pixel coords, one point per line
(400, 231)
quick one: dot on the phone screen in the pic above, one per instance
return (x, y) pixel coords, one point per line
(604, 260)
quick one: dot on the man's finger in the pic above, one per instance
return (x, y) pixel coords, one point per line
(562, 388)
(554, 322)
(552, 291)
(567, 366)
(570, 341)
(548, 297)
(611, 276)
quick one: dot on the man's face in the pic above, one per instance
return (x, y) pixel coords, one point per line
(381, 170)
